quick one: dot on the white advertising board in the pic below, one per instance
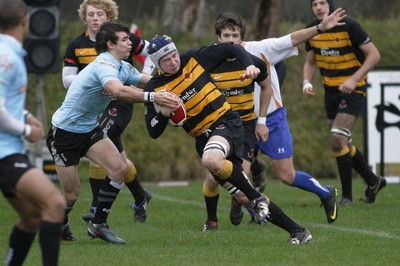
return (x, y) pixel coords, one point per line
(383, 110)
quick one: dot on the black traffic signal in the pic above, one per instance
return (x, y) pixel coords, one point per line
(43, 40)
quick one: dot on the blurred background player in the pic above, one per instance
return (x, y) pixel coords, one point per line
(344, 78)
(79, 53)
(37, 202)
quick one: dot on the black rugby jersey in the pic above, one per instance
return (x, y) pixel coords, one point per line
(337, 53)
(80, 51)
(204, 103)
(239, 92)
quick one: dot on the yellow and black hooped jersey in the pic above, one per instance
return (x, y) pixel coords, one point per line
(239, 92)
(337, 53)
(204, 103)
(80, 51)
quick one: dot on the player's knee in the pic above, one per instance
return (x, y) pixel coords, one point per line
(287, 177)
(55, 210)
(286, 173)
(210, 162)
(223, 170)
(287, 180)
(340, 137)
(71, 196)
(119, 172)
(212, 158)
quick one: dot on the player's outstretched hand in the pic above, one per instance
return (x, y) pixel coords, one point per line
(333, 20)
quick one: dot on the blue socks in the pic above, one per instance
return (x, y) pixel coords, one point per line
(306, 182)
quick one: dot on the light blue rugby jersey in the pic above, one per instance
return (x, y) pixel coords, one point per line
(13, 86)
(86, 99)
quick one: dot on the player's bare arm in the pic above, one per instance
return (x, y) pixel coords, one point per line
(126, 93)
(309, 69)
(327, 23)
(372, 57)
(262, 132)
(143, 80)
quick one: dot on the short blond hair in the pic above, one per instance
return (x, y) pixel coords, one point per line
(109, 6)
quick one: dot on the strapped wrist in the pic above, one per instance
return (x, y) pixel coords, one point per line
(262, 120)
(27, 131)
(307, 85)
(151, 97)
(27, 114)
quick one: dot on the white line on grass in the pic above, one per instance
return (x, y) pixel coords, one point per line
(181, 201)
(380, 234)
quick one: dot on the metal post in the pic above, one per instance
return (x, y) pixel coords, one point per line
(41, 115)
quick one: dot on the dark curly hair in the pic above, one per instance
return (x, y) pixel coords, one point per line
(107, 33)
(230, 21)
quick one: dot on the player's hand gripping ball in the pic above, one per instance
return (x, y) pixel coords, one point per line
(178, 117)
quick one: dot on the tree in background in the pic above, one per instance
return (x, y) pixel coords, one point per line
(265, 19)
(193, 16)
(186, 16)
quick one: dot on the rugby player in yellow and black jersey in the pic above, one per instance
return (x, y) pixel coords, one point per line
(344, 55)
(240, 95)
(218, 130)
(79, 53)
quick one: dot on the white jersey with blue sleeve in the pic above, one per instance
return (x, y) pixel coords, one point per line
(86, 98)
(272, 51)
(13, 87)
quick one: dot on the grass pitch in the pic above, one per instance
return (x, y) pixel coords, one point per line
(172, 235)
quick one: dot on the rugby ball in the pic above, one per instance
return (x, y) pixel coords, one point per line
(177, 118)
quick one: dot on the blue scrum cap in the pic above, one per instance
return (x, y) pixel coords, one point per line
(159, 47)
